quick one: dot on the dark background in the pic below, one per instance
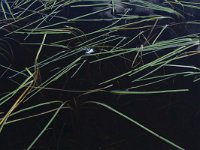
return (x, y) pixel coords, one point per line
(91, 127)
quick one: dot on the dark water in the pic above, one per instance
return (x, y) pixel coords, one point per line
(176, 116)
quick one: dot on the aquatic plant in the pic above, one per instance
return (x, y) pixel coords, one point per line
(82, 50)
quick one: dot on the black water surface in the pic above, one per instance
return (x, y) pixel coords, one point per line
(90, 127)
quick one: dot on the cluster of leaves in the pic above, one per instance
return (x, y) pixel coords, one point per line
(62, 49)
